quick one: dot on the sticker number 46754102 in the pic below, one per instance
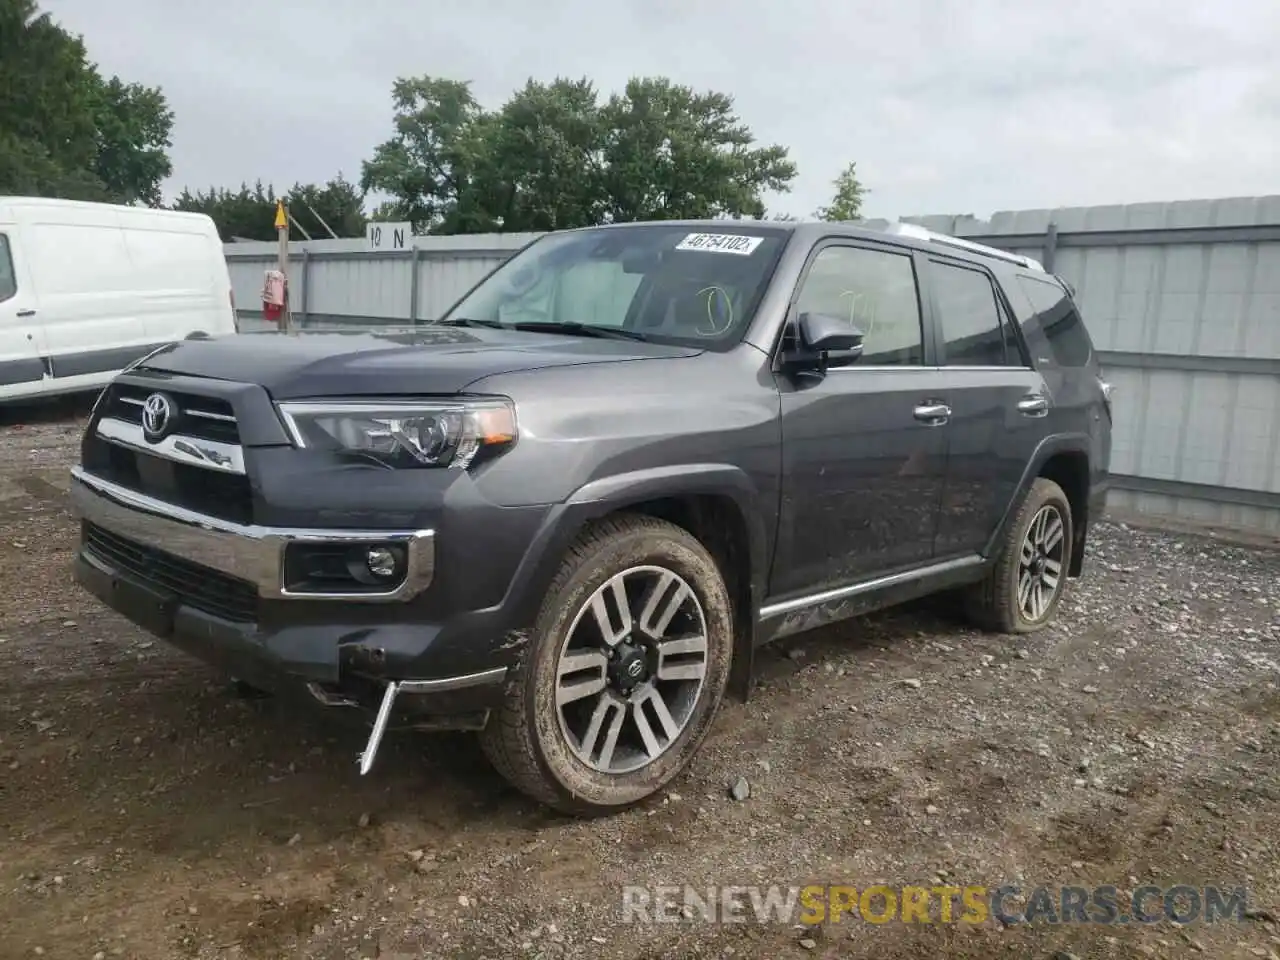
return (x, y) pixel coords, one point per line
(720, 243)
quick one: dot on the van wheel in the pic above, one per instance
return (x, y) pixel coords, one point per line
(1022, 592)
(623, 673)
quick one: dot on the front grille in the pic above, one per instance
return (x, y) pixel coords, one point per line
(206, 418)
(216, 493)
(227, 496)
(195, 585)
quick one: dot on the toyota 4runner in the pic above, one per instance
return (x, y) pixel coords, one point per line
(566, 513)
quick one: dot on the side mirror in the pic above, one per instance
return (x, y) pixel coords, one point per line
(823, 333)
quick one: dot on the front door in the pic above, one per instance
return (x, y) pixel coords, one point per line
(863, 459)
(999, 405)
(22, 368)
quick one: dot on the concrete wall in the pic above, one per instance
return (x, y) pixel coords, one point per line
(1182, 300)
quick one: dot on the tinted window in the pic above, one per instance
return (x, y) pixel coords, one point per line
(875, 291)
(1060, 321)
(970, 317)
(8, 280)
(669, 283)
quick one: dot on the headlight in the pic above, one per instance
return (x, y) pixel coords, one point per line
(409, 434)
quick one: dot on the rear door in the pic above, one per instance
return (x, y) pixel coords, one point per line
(999, 404)
(22, 368)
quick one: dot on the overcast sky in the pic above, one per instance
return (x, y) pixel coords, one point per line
(951, 106)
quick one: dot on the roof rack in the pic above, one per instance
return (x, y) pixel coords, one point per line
(917, 232)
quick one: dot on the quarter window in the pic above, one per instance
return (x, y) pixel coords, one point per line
(873, 290)
(971, 319)
(8, 279)
(1068, 339)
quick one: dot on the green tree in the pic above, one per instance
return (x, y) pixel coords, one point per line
(244, 214)
(250, 212)
(540, 158)
(132, 126)
(428, 167)
(672, 153)
(339, 203)
(64, 130)
(46, 107)
(555, 157)
(849, 193)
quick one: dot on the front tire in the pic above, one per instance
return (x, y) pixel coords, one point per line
(1023, 589)
(623, 673)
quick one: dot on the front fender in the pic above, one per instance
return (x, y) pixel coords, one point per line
(607, 495)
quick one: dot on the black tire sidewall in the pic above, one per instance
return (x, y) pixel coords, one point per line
(651, 545)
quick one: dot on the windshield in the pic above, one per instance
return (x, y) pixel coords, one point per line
(658, 282)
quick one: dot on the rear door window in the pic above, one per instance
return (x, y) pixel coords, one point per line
(973, 324)
(1060, 321)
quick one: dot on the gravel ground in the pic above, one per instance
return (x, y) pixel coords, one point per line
(146, 811)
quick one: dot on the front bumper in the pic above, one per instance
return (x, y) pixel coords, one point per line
(245, 551)
(344, 649)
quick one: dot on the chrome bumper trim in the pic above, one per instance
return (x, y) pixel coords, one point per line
(395, 687)
(209, 454)
(250, 552)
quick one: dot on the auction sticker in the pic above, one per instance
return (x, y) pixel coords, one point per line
(720, 243)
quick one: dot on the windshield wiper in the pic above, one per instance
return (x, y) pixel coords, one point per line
(580, 330)
(470, 322)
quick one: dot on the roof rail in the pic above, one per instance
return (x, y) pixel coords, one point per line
(917, 232)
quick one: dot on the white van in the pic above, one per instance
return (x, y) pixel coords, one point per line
(87, 288)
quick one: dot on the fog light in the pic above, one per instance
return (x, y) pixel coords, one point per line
(382, 562)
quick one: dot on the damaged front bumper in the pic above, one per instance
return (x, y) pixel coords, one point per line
(221, 592)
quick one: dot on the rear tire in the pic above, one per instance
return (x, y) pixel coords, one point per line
(1022, 591)
(606, 707)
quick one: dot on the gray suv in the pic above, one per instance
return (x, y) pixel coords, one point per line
(567, 513)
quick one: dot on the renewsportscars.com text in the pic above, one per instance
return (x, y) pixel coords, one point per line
(974, 904)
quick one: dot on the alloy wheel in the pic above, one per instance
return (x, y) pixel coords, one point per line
(631, 669)
(1040, 564)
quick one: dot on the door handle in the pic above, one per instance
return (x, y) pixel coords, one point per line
(933, 414)
(1034, 405)
(26, 313)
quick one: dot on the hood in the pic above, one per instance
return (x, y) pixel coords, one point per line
(417, 360)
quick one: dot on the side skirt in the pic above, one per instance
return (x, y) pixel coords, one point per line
(809, 612)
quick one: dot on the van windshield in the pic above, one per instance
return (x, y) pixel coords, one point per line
(655, 282)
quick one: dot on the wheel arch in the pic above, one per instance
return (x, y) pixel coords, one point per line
(716, 503)
(1064, 459)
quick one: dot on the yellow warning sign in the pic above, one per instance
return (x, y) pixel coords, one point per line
(281, 219)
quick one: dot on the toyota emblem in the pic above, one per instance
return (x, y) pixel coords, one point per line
(635, 668)
(157, 411)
